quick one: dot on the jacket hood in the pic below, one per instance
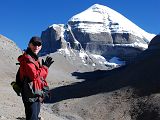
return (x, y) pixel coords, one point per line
(24, 57)
(28, 54)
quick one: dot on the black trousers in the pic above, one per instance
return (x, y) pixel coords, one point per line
(32, 110)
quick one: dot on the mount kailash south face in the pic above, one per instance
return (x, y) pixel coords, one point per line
(96, 36)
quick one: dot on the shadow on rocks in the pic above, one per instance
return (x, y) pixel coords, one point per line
(143, 76)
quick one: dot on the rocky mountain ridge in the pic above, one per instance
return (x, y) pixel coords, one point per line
(9, 53)
(98, 30)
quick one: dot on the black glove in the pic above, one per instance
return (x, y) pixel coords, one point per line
(47, 62)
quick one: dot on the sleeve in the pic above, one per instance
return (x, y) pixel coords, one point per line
(34, 73)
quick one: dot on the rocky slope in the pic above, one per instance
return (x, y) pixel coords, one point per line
(9, 53)
(11, 106)
(127, 93)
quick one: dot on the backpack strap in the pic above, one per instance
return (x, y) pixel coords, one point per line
(17, 63)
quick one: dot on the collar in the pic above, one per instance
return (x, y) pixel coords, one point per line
(29, 51)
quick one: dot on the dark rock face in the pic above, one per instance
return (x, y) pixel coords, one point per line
(155, 43)
(84, 38)
(105, 44)
(48, 44)
(126, 38)
(51, 40)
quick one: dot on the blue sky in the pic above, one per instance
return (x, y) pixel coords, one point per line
(22, 19)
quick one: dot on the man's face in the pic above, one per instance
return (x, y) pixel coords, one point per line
(35, 48)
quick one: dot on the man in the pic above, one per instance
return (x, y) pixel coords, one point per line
(33, 76)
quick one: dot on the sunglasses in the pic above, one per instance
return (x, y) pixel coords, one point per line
(36, 43)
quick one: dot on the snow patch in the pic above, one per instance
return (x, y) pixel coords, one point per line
(115, 61)
(64, 51)
(100, 58)
(83, 56)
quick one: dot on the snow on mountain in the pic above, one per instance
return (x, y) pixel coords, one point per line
(107, 20)
(61, 26)
(95, 36)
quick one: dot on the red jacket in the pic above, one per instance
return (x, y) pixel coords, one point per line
(31, 68)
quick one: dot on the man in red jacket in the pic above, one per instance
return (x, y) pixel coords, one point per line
(33, 76)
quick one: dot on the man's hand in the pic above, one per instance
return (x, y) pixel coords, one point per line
(47, 62)
(41, 99)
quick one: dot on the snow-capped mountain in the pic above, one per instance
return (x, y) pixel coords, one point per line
(105, 19)
(99, 30)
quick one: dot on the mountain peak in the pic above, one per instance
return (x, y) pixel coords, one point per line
(95, 10)
(100, 8)
(106, 19)
(98, 5)
(98, 30)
